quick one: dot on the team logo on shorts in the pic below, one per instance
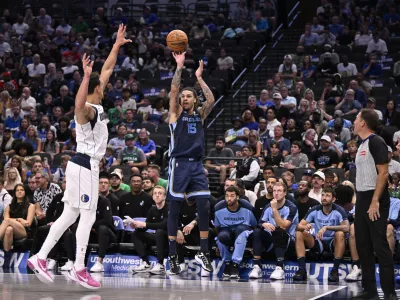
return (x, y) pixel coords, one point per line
(85, 198)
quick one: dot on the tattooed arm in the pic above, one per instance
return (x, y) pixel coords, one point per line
(175, 108)
(209, 104)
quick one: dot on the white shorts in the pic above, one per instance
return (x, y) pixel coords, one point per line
(82, 182)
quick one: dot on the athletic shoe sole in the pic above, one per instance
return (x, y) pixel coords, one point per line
(43, 278)
(201, 263)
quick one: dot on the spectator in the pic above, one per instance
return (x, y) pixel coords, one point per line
(274, 158)
(291, 133)
(249, 121)
(50, 76)
(241, 13)
(254, 143)
(70, 144)
(336, 145)
(272, 122)
(257, 111)
(284, 144)
(116, 113)
(318, 180)
(158, 115)
(81, 26)
(296, 159)
(288, 71)
(131, 156)
(70, 68)
(129, 122)
(144, 143)
(326, 37)
(327, 68)
(20, 28)
(339, 226)
(36, 69)
(345, 39)
(394, 166)
(18, 218)
(44, 195)
(148, 17)
(118, 143)
(59, 174)
(154, 173)
(308, 38)
(307, 71)
(45, 126)
(233, 32)
(229, 232)
(347, 69)
(270, 86)
(320, 124)
(200, 31)
(298, 56)
(12, 178)
(66, 102)
(391, 117)
(219, 166)
(64, 27)
(14, 122)
(149, 63)
(348, 159)
(44, 20)
(349, 106)
(376, 45)
(225, 62)
(392, 18)
(288, 101)
(4, 46)
(324, 157)
(50, 145)
(5, 197)
(27, 101)
(265, 102)
(249, 168)
(32, 138)
(157, 221)
(238, 135)
(335, 27)
(396, 70)
(360, 94)
(363, 37)
(278, 225)
(118, 188)
(342, 132)
(119, 18)
(132, 63)
(146, 106)
(278, 82)
(282, 113)
(263, 131)
(18, 163)
(259, 22)
(382, 31)
(371, 102)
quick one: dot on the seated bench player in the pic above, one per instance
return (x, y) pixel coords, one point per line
(330, 225)
(277, 227)
(234, 222)
(393, 224)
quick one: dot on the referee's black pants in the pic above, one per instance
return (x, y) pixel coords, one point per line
(143, 240)
(370, 238)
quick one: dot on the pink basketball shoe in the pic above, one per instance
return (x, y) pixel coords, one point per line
(84, 279)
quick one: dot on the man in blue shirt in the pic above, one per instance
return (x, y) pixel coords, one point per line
(335, 27)
(330, 224)
(277, 227)
(234, 222)
(372, 69)
(14, 121)
(260, 22)
(148, 17)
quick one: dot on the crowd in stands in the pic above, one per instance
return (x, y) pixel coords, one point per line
(287, 161)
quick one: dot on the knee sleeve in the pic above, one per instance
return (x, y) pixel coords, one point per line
(224, 237)
(203, 208)
(173, 217)
(280, 238)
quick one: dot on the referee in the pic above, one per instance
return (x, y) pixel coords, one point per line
(372, 209)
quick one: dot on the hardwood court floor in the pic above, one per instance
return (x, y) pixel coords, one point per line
(119, 286)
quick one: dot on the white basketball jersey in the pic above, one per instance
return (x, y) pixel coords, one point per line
(92, 137)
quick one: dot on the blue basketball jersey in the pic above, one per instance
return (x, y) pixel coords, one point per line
(226, 218)
(317, 216)
(394, 209)
(187, 136)
(287, 212)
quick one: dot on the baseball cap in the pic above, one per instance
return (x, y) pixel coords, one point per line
(288, 56)
(308, 172)
(117, 98)
(104, 174)
(337, 74)
(330, 130)
(371, 99)
(277, 95)
(390, 149)
(327, 46)
(326, 138)
(117, 172)
(237, 119)
(319, 174)
(129, 137)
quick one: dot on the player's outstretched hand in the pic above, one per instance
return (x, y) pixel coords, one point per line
(87, 65)
(121, 40)
(179, 58)
(199, 71)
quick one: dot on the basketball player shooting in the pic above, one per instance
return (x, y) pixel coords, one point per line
(186, 172)
(82, 173)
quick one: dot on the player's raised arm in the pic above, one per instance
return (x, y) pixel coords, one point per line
(210, 100)
(174, 107)
(109, 64)
(81, 110)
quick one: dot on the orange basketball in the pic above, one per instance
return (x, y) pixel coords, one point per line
(177, 40)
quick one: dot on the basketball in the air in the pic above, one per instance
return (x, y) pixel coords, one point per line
(177, 40)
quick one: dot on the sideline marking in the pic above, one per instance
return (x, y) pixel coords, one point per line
(329, 292)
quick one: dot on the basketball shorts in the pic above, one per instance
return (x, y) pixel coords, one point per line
(82, 182)
(187, 175)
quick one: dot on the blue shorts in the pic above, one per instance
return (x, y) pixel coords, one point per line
(324, 245)
(187, 175)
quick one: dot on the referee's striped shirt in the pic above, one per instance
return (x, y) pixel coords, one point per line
(372, 151)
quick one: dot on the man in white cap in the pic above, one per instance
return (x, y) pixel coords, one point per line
(117, 187)
(318, 180)
(394, 166)
(288, 70)
(324, 157)
(371, 102)
(282, 113)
